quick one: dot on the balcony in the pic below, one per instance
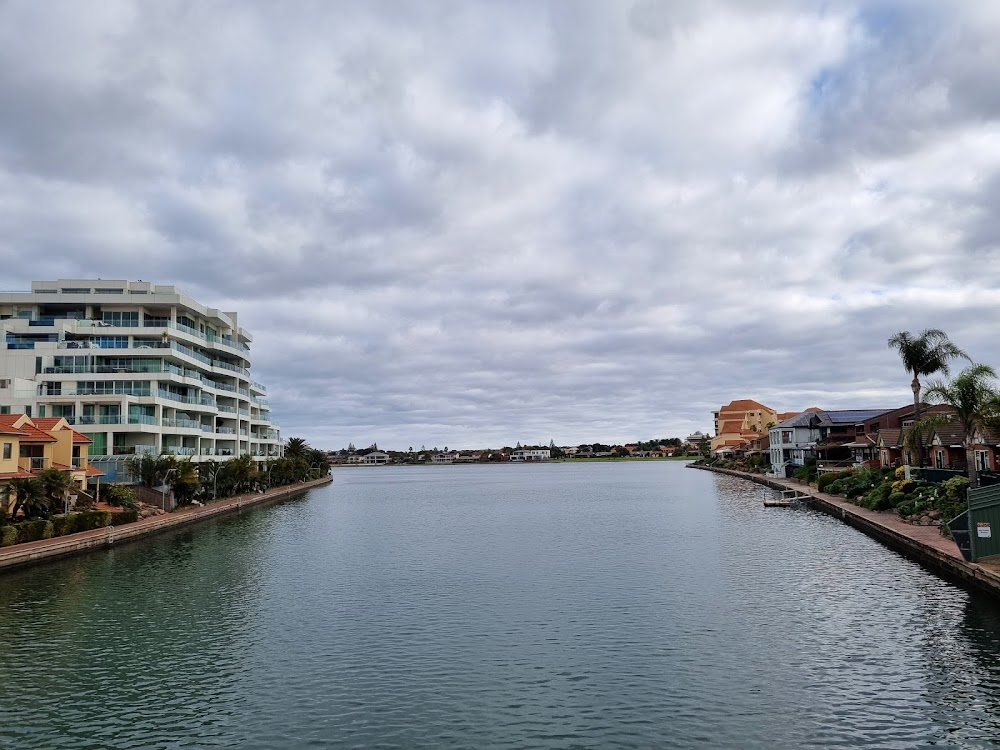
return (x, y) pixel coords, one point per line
(179, 450)
(100, 419)
(34, 463)
(189, 424)
(141, 419)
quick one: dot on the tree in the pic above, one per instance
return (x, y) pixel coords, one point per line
(976, 401)
(56, 485)
(297, 448)
(922, 355)
(29, 497)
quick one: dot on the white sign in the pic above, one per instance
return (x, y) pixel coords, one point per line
(983, 530)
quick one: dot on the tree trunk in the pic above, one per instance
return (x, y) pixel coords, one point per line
(915, 387)
(970, 461)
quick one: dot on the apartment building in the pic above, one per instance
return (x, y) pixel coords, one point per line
(139, 368)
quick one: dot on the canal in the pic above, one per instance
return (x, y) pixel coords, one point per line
(590, 605)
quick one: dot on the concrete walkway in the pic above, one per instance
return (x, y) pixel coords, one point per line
(923, 544)
(30, 553)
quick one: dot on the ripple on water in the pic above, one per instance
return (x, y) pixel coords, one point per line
(559, 606)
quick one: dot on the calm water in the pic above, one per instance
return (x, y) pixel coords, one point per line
(551, 606)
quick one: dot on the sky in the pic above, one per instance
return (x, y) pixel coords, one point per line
(473, 224)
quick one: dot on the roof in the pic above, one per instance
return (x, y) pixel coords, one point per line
(94, 472)
(745, 404)
(889, 437)
(19, 474)
(822, 418)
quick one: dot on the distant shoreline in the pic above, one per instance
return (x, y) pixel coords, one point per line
(603, 459)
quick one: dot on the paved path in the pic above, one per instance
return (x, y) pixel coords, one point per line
(28, 553)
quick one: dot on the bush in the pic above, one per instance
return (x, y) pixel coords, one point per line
(837, 487)
(825, 480)
(896, 499)
(32, 531)
(119, 495)
(8, 535)
(129, 515)
(93, 519)
(65, 524)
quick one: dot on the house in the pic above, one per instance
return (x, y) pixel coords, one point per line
(139, 368)
(531, 454)
(444, 458)
(738, 422)
(28, 447)
(376, 458)
(816, 433)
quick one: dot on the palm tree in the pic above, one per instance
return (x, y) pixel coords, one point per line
(29, 495)
(56, 485)
(924, 355)
(976, 401)
(297, 448)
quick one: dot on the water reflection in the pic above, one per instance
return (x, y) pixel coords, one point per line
(598, 605)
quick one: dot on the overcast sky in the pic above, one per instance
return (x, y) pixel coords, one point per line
(477, 223)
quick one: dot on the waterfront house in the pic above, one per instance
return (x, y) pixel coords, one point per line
(531, 454)
(376, 458)
(28, 447)
(816, 433)
(738, 422)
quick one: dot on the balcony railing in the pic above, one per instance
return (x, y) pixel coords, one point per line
(180, 450)
(190, 424)
(141, 419)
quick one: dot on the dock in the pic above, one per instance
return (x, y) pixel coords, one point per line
(788, 499)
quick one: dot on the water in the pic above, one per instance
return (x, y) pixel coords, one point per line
(593, 605)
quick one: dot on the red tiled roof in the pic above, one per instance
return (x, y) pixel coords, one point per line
(745, 404)
(46, 423)
(93, 472)
(19, 474)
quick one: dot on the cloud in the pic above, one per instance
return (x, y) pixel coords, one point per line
(477, 224)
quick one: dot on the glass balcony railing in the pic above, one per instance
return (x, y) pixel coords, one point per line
(141, 419)
(190, 424)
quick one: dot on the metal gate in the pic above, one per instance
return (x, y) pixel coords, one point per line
(984, 522)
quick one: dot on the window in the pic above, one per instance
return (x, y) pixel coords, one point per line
(109, 291)
(982, 460)
(111, 342)
(786, 436)
(75, 290)
(939, 459)
(8, 449)
(121, 318)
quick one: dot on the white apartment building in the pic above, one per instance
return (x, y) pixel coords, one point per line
(137, 367)
(531, 454)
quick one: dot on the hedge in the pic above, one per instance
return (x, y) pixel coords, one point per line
(31, 531)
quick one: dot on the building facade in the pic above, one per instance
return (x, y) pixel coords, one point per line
(139, 368)
(531, 454)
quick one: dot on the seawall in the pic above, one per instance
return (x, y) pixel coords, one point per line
(922, 544)
(45, 550)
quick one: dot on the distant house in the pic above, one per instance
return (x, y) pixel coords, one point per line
(376, 458)
(445, 458)
(531, 454)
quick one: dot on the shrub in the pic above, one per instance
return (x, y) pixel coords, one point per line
(955, 488)
(903, 485)
(93, 519)
(896, 499)
(825, 480)
(8, 535)
(32, 531)
(129, 515)
(119, 495)
(65, 524)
